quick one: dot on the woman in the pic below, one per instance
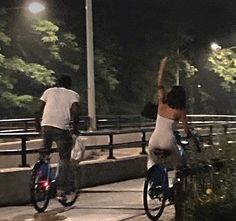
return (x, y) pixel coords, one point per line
(171, 110)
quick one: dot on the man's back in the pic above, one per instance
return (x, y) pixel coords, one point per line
(58, 102)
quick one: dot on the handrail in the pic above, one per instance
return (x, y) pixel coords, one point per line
(24, 136)
(110, 122)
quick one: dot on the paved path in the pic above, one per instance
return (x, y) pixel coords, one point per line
(120, 201)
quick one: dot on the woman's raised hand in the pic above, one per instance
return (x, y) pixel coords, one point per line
(163, 61)
(162, 64)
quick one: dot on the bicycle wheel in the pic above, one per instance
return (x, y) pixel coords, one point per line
(69, 199)
(40, 188)
(154, 199)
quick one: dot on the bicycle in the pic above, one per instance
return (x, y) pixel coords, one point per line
(157, 189)
(44, 184)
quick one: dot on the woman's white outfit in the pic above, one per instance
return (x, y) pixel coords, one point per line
(163, 138)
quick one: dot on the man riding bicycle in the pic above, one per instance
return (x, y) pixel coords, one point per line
(58, 107)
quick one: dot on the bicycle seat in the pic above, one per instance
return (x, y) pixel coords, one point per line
(161, 153)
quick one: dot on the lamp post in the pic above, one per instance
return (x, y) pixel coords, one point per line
(177, 69)
(90, 66)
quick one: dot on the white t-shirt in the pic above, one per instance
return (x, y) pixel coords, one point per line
(58, 101)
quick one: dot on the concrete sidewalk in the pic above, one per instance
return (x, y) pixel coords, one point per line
(121, 201)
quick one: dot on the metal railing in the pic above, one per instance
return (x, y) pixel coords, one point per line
(114, 122)
(207, 130)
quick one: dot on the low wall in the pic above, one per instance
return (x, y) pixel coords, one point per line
(15, 182)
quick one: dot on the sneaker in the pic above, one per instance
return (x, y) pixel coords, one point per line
(154, 192)
(61, 196)
(70, 197)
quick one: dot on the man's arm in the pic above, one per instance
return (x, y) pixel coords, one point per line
(75, 117)
(38, 115)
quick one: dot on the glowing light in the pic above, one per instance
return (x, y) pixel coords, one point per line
(208, 191)
(36, 7)
(215, 46)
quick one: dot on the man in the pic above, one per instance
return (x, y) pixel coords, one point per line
(58, 107)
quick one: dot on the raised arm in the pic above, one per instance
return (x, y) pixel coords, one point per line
(160, 88)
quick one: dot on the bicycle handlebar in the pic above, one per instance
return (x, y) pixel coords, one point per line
(194, 136)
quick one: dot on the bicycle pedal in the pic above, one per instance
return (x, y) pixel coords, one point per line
(62, 198)
(155, 192)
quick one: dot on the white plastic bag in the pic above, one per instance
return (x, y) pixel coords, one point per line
(77, 152)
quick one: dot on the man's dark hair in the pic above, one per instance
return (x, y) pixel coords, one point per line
(176, 98)
(64, 81)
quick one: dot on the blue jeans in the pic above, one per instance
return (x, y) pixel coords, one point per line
(64, 142)
(158, 177)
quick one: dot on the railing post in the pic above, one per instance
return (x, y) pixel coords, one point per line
(179, 198)
(118, 123)
(23, 152)
(143, 143)
(111, 156)
(25, 125)
(225, 129)
(211, 135)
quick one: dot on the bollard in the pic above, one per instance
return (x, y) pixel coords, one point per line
(111, 156)
(143, 143)
(23, 153)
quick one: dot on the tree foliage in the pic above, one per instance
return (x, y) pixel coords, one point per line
(223, 63)
(30, 58)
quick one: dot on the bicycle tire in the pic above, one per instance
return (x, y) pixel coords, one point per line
(153, 205)
(69, 200)
(39, 190)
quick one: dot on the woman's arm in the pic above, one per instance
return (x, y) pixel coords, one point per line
(160, 88)
(184, 121)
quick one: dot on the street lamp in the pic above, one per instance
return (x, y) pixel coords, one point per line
(36, 7)
(215, 46)
(90, 66)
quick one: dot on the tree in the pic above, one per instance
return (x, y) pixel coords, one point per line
(223, 63)
(31, 55)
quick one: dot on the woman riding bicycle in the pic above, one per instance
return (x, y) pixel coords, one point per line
(171, 110)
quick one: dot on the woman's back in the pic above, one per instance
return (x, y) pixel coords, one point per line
(168, 112)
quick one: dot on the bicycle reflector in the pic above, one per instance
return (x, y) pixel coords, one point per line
(44, 184)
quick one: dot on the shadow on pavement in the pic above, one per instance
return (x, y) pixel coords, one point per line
(50, 215)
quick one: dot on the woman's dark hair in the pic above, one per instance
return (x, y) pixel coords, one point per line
(64, 81)
(176, 97)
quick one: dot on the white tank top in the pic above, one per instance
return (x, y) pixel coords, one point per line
(163, 136)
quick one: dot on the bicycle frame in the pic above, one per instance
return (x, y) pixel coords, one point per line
(44, 186)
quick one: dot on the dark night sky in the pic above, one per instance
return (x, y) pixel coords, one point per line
(135, 25)
(140, 19)
(132, 22)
